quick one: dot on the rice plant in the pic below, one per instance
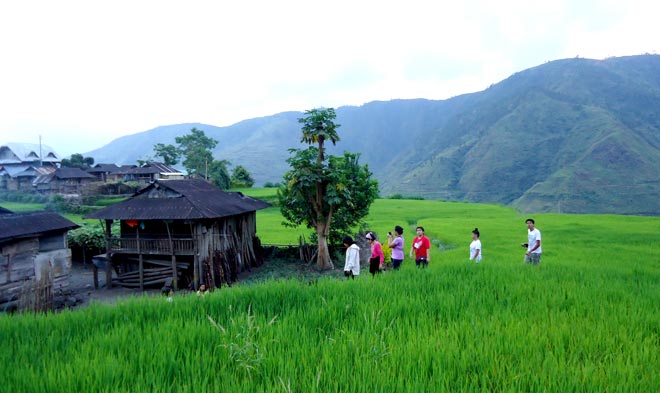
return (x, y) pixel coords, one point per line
(585, 319)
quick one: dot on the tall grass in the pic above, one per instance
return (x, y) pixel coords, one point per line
(19, 207)
(586, 319)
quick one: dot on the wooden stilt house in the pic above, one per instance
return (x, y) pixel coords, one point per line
(186, 231)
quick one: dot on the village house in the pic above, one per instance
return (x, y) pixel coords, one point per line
(23, 155)
(151, 171)
(63, 181)
(183, 231)
(103, 172)
(21, 163)
(35, 261)
(109, 172)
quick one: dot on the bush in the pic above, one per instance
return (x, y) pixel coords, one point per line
(22, 197)
(89, 237)
(400, 196)
(272, 185)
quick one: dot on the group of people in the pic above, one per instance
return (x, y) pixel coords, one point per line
(421, 246)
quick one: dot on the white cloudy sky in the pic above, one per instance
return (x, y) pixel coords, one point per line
(82, 73)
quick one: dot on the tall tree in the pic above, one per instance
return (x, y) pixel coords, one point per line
(78, 161)
(196, 151)
(318, 188)
(169, 153)
(240, 177)
(219, 174)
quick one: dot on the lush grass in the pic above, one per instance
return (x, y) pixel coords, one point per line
(586, 319)
(109, 201)
(19, 207)
(266, 194)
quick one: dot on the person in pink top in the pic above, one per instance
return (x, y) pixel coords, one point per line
(377, 256)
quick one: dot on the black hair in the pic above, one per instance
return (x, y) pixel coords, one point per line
(398, 230)
(371, 236)
(422, 228)
(347, 240)
(476, 231)
(530, 219)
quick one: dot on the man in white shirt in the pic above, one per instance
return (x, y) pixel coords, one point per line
(352, 266)
(533, 254)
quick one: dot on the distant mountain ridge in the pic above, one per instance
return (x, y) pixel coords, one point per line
(573, 135)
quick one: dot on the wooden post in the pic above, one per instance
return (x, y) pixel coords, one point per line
(140, 260)
(108, 248)
(174, 271)
(96, 276)
(196, 272)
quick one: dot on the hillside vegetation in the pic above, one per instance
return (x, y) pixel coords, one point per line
(573, 135)
(586, 319)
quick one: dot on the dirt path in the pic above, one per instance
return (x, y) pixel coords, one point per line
(81, 288)
(81, 283)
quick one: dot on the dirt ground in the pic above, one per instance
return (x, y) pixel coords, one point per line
(81, 283)
(81, 288)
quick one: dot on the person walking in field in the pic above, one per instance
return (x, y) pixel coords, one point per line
(475, 246)
(377, 257)
(533, 245)
(396, 244)
(352, 265)
(421, 245)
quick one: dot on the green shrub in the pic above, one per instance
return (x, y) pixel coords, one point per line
(87, 236)
(22, 197)
(400, 196)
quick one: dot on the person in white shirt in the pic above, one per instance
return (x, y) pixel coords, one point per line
(475, 246)
(533, 245)
(352, 266)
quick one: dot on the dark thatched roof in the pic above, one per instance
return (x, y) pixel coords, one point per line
(103, 168)
(180, 200)
(5, 211)
(150, 168)
(30, 224)
(64, 173)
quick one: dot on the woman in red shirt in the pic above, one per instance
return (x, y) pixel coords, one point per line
(422, 246)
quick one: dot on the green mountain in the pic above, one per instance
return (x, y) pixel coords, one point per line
(574, 135)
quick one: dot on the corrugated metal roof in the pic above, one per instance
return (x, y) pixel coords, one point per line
(34, 171)
(62, 174)
(27, 152)
(180, 200)
(33, 223)
(12, 170)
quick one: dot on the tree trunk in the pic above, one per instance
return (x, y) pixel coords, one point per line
(323, 261)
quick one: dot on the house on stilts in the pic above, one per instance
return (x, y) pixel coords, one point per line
(184, 231)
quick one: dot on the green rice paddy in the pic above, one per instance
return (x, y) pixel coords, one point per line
(586, 319)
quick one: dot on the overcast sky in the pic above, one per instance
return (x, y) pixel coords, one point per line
(82, 73)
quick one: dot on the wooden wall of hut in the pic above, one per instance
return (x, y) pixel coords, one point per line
(225, 248)
(25, 271)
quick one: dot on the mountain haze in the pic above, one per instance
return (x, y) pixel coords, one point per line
(573, 135)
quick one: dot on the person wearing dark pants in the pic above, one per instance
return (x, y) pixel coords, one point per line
(377, 256)
(421, 245)
(533, 245)
(396, 244)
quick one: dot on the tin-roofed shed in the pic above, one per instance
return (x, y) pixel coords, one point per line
(186, 230)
